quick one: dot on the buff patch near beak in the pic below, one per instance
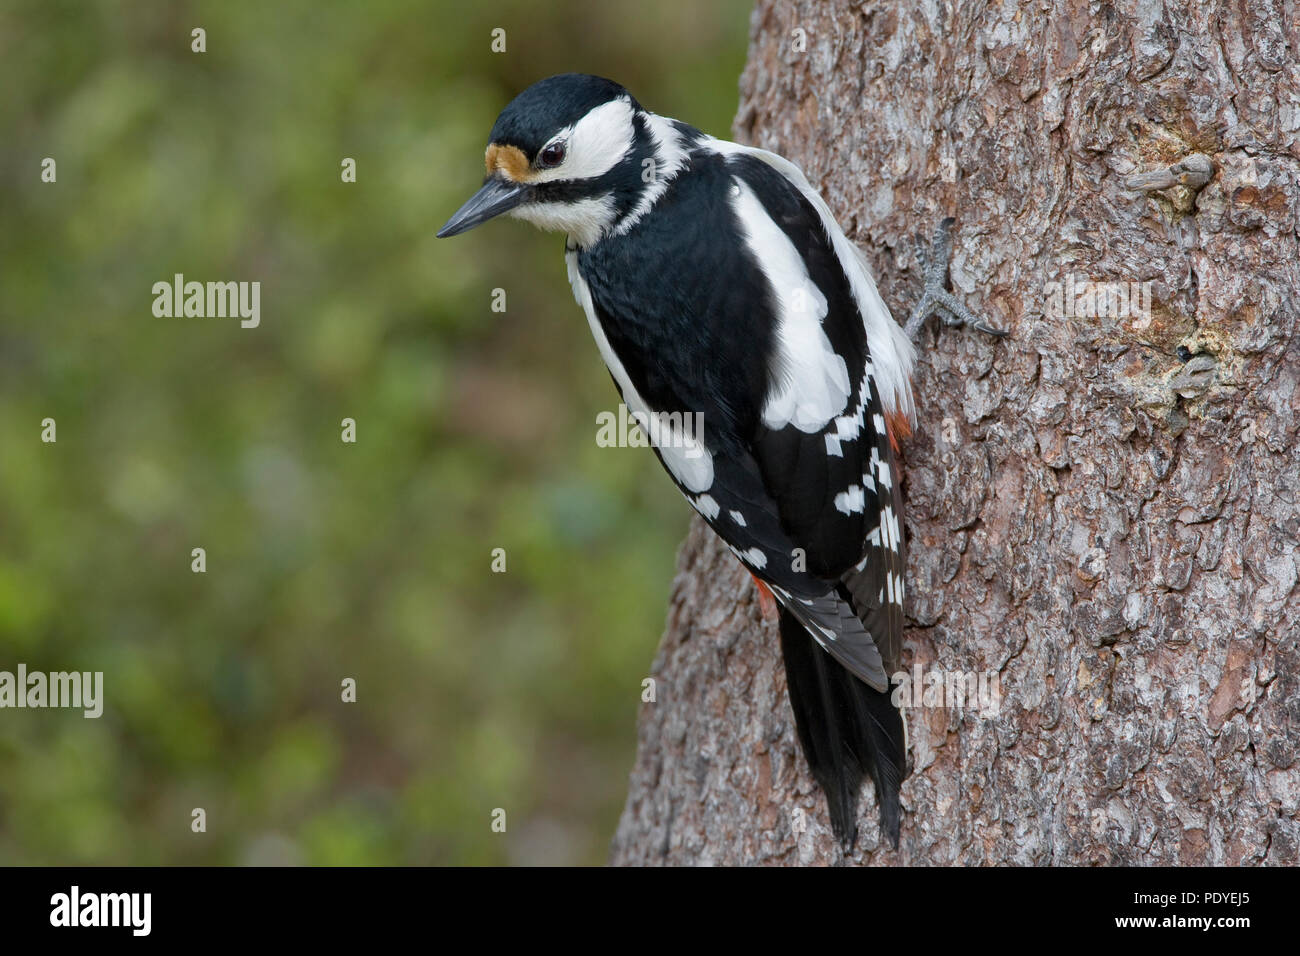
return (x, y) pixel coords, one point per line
(508, 161)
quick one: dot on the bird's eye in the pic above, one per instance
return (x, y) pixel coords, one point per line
(552, 155)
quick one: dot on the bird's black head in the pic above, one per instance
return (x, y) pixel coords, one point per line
(539, 113)
(566, 154)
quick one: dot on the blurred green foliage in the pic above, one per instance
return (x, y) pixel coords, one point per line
(325, 560)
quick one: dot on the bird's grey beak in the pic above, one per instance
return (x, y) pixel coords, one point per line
(496, 196)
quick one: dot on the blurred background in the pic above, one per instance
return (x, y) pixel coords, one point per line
(325, 560)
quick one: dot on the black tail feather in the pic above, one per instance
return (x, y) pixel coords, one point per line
(848, 731)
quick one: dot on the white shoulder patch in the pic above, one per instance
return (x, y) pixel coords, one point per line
(892, 353)
(689, 460)
(810, 382)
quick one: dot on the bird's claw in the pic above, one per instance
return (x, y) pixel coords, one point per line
(935, 298)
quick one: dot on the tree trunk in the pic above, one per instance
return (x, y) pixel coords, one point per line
(1101, 508)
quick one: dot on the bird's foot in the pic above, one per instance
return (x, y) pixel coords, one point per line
(936, 299)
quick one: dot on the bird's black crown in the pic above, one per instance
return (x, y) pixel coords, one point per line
(549, 105)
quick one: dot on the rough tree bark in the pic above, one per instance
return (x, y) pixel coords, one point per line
(1101, 510)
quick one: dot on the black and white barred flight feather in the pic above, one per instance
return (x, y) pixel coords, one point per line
(716, 282)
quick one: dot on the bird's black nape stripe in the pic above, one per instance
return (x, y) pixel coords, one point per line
(847, 731)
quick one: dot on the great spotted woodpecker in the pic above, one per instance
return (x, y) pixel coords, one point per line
(716, 282)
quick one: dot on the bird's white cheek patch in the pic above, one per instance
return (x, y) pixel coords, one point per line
(595, 144)
(809, 381)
